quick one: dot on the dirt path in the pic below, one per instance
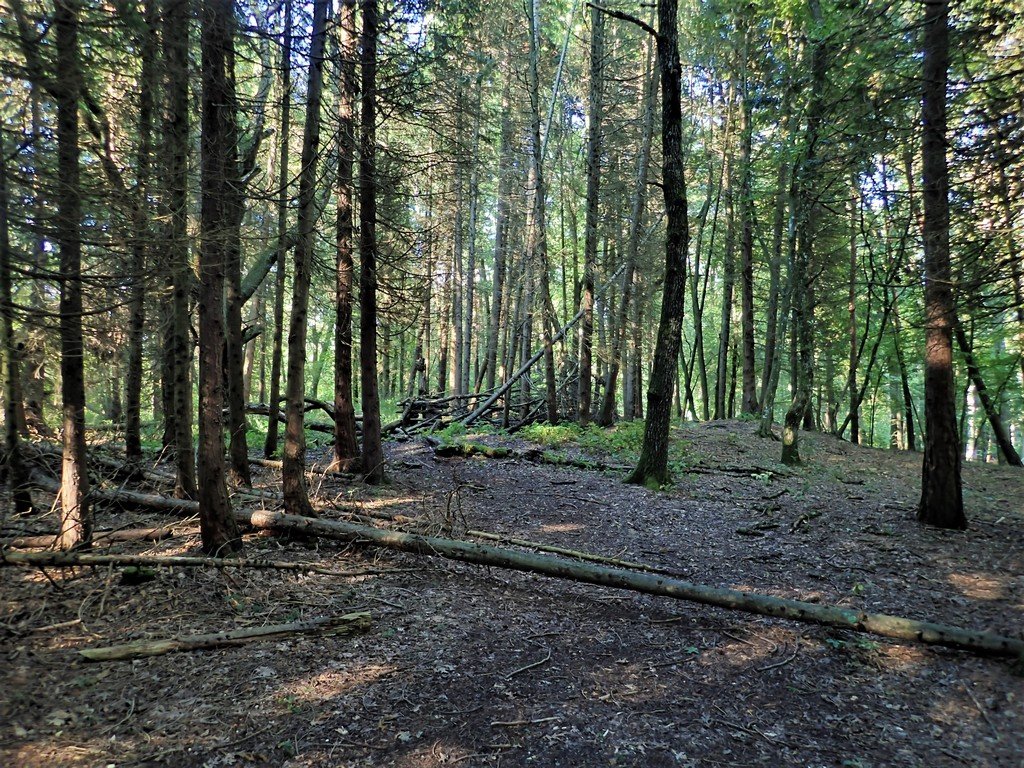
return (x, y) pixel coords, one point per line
(470, 666)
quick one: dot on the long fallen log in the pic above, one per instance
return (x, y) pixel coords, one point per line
(88, 559)
(140, 649)
(765, 605)
(98, 537)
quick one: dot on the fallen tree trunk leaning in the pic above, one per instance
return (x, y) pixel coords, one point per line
(750, 602)
(350, 622)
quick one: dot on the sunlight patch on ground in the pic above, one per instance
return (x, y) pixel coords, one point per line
(561, 528)
(331, 683)
(978, 586)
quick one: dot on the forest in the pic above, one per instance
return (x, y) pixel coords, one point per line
(397, 382)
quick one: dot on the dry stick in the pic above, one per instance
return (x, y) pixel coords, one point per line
(74, 559)
(482, 554)
(139, 649)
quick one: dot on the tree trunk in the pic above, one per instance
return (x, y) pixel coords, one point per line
(594, 118)
(652, 468)
(283, 177)
(76, 515)
(176, 132)
(293, 476)
(219, 530)
(346, 451)
(749, 401)
(941, 491)
(373, 453)
(140, 236)
(11, 467)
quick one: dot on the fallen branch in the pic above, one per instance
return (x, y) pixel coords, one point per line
(99, 537)
(482, 554)
(86, 559)
(534, 455)
(140, 649)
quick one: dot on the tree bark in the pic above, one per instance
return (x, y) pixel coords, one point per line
(749, 402)
(12, 466)
(941, 491)
(76, 514)
(283, 178)
(346, 451)
(652, 467)
(293, 475)
(372, 453)
(594, 117)
(178, 374)
(219, 531)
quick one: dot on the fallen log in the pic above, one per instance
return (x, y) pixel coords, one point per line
(98, 538)
(87, 559)
(124, 497)
(140, 649)
(884, 625)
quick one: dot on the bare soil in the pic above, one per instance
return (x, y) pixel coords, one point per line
(481, 667)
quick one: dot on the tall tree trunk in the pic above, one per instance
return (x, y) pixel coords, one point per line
(346, 451)
(728, 284)
(293, 477)
(219, 530)
(941, 491)
(619, 330)
(749, 401)
(501, 230)
(851, 309)
(474, 215)
(234, 348)
(594, 118)
(12, 467)
(283, 177)
(176, 135)
(652, 468)
(76, 514)
(803, 368)
(140, 236)
(373, 453)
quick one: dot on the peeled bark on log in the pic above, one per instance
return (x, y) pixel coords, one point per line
(812, 613)
(140, 649)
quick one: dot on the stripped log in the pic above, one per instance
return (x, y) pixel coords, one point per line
(884, 625)
(140, 649)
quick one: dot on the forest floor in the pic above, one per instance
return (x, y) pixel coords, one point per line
(474, 666)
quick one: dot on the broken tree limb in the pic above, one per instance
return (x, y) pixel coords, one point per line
(481, 409)
(750, 602)
(140, 649)
(535, 455)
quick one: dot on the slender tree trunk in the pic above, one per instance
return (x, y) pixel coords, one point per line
(219, 529)
(140, 236)
(619, 330)
(346, 451)
(728, 284)
(296, 497)
(76, 514)
(749, 401)
(12, 466)
(283, 177)
(373, 453)
(474, 215)
(176, 134)
(594, 118)
(941, 491)
(652, 468)
(799, 276)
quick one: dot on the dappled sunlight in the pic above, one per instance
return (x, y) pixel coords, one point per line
(980, 586)
(340, 680)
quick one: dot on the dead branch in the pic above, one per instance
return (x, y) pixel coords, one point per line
(139, 649)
